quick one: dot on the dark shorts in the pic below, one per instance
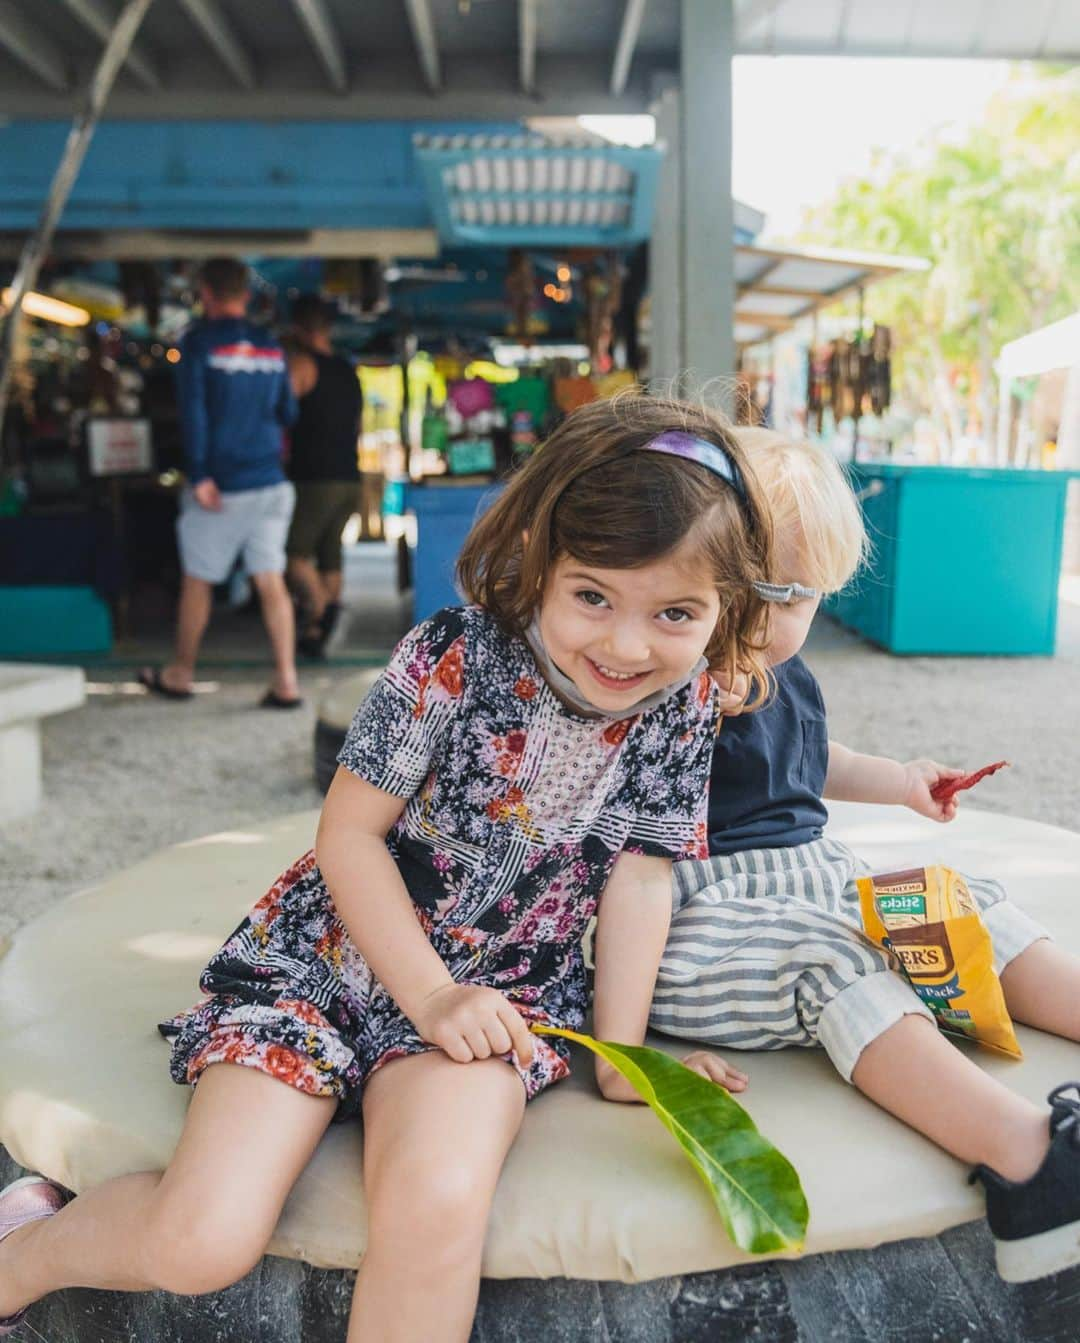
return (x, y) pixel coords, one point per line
(323, 507)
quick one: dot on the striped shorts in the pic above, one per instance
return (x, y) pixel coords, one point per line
(766, 950)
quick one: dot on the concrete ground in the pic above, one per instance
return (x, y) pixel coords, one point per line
(129, 772)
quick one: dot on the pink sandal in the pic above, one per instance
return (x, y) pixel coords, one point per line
(30, 1199)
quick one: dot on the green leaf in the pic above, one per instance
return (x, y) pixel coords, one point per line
(755, 1188)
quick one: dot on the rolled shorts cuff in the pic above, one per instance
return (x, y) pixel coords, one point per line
(863, 1011)
(1011, 932)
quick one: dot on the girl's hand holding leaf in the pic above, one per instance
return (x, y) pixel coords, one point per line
(469, 1022)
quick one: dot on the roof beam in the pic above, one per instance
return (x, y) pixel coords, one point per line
(32, 48)
(624, 48)
(318, 23)
(752, 15)
(842, 24)
(527, 45)
(215, 27)
(770, 320)
(427, 46)
(94, 15)
(1047, 28)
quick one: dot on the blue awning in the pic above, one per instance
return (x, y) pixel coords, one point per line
(531, 191)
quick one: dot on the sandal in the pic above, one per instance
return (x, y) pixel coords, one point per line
(30, 1199)
(150, 677)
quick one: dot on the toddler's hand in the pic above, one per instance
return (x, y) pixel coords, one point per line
(922, 775)
(716, 1069)
(468, 1022)
(614, 1086)
(733, 691)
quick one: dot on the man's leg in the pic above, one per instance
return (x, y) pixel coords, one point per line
(277, 613)
(192, 616)
(305, 579)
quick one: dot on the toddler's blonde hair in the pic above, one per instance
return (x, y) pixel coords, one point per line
(807, 489)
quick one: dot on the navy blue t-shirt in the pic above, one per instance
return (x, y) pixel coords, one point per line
(235, 400)
(768, 769)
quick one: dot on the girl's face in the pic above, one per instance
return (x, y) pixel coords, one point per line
(789, 623)
(623, 634)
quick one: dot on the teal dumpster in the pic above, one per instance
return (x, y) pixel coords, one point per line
(965, 560)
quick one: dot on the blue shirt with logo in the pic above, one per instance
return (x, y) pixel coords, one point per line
(768, 769)
(235, 401)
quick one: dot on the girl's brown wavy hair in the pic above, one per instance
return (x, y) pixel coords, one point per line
(590, 494)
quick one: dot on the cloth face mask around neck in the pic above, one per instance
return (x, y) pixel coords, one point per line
(567, 690)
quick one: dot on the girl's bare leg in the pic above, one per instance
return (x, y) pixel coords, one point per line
(197, 1227)
(436, 1134)
(1042, 989)
(916, 1074)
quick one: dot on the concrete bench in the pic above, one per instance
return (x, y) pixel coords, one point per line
(28, 693)
(600, 1229)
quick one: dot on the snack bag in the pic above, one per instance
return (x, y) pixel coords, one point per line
(927, 917)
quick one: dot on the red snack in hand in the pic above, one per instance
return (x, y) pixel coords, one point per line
(941, 792)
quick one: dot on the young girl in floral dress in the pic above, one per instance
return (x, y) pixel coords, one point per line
(523, 762)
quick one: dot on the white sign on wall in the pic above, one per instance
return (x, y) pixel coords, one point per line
(119, 447)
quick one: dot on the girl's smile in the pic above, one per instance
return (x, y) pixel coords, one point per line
(623, 634)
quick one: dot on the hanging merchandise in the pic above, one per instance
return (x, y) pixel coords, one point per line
(881, 370)
(520, 290)
(470, 396)
(619, 380)
(603, 297)
(523, 434)
(570, 393)
(527, 393)
(852, 377)
(434, 432)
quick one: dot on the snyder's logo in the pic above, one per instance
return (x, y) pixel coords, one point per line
(923, 960)
(911, 880)
(924, 950)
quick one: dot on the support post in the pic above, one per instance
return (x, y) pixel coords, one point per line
(707, 44)
(82, 130)
(665, 254)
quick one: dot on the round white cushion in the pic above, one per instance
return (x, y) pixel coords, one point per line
(591, 1190)
(339, 704)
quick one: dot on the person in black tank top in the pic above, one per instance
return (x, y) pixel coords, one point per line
(324, 467)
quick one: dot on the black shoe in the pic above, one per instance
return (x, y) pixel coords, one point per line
(312, 647)
(1036, 1222)
(330, 617)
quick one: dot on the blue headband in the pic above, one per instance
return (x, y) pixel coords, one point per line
(678, 443)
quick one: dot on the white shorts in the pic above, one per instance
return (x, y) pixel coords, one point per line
(252, 524)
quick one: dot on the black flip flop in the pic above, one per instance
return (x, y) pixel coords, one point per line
(150, 677)
(272, 700)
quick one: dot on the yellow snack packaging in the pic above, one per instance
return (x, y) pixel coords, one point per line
(927, 918)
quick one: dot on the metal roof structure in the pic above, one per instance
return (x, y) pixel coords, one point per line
(445, 59)
(775, 287)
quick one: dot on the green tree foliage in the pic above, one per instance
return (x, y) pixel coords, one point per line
(996, 209)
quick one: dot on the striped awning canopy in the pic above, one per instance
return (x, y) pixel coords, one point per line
(775, 287)
(532, 191)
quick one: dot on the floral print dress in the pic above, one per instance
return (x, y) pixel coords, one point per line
(516, 811)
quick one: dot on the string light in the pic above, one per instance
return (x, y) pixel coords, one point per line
(49, 309)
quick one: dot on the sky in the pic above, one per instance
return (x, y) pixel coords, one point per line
(805, 123)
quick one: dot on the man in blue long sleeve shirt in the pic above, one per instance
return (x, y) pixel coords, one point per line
(235, 401)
